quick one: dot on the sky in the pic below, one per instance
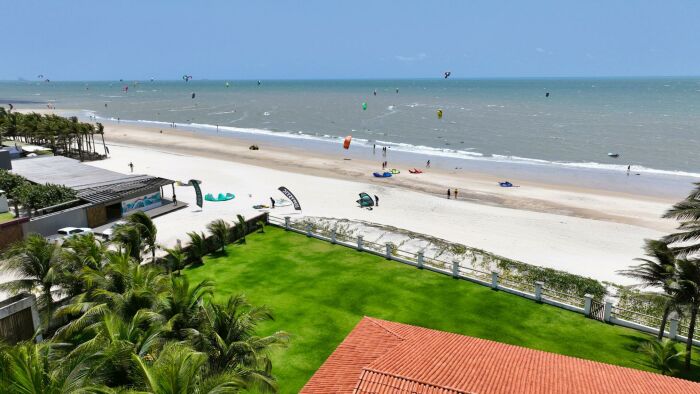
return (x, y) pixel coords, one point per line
(313, 39)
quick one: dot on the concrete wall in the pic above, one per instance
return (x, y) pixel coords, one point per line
(19, 319)
(48, 224)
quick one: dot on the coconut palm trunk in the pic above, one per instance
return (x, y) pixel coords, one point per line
(664, 320)
(691, 332)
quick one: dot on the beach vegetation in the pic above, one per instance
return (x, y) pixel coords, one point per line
(114, 324)
(221, 233)
(197, 248)
(663, 355)
(64, 136)
(32, 197)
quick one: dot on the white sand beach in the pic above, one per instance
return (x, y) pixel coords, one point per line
(586, 232)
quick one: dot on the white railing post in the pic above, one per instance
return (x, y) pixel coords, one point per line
(388, 251)
(308, 229)
(287, 219)
(420, 259)
(588, 299)
(333, 235)
(359, 242)
(494, 280)
(608, 311)
(455, 268)
(538, 291)
(673, 326)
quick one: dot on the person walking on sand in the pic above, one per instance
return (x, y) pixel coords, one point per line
(376, 200)
(131, 166)
(272, 200)
(448, 193)
(427, 165)
(628, 169)
(455, 193)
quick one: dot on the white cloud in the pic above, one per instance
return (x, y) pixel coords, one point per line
(540, 50)
(418, 57)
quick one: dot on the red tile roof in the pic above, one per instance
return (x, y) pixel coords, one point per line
(380, 356)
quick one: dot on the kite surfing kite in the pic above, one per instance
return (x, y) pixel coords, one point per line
(364, 106)
(365, 201)
(439, 114)
(447, 74)
(186, 78)
(346, 142)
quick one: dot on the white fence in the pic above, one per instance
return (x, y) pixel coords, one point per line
(534, 291)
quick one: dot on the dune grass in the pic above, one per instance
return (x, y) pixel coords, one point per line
(319, 292)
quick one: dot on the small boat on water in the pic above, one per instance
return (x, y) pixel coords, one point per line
(611, 154)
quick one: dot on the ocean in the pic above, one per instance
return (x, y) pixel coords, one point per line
(653, 124)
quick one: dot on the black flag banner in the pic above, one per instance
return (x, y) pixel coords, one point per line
(291, 197)
(197, 190)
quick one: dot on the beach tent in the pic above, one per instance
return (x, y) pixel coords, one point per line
(365, 200)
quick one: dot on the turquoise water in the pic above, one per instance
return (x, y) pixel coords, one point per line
(653, 124)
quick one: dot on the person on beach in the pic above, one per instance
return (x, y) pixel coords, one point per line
(374, 148)
(448, 193)
(376, 200)
(628, 169)
(131, 166)
(455, 193)
(175, 199)
(272, 200)
(427, 165)
(118, 120)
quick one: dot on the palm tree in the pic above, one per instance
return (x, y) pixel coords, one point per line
(78, 254)
(129, 237)
(117, 339)
(147, 229)
(662, 354)
(183, 307)
(688, 212)
(221, 231)
(657, 272)
(35, 262)
(123, 287)
(687, 289)
(38, 368)
(176, 259)
(197, 248)
(180, 370)
(232, 344)
(242, 227)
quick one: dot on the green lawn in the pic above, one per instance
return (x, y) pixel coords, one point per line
(6, 217)
(319, 291)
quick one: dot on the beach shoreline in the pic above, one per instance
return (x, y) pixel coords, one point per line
(585, 231)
